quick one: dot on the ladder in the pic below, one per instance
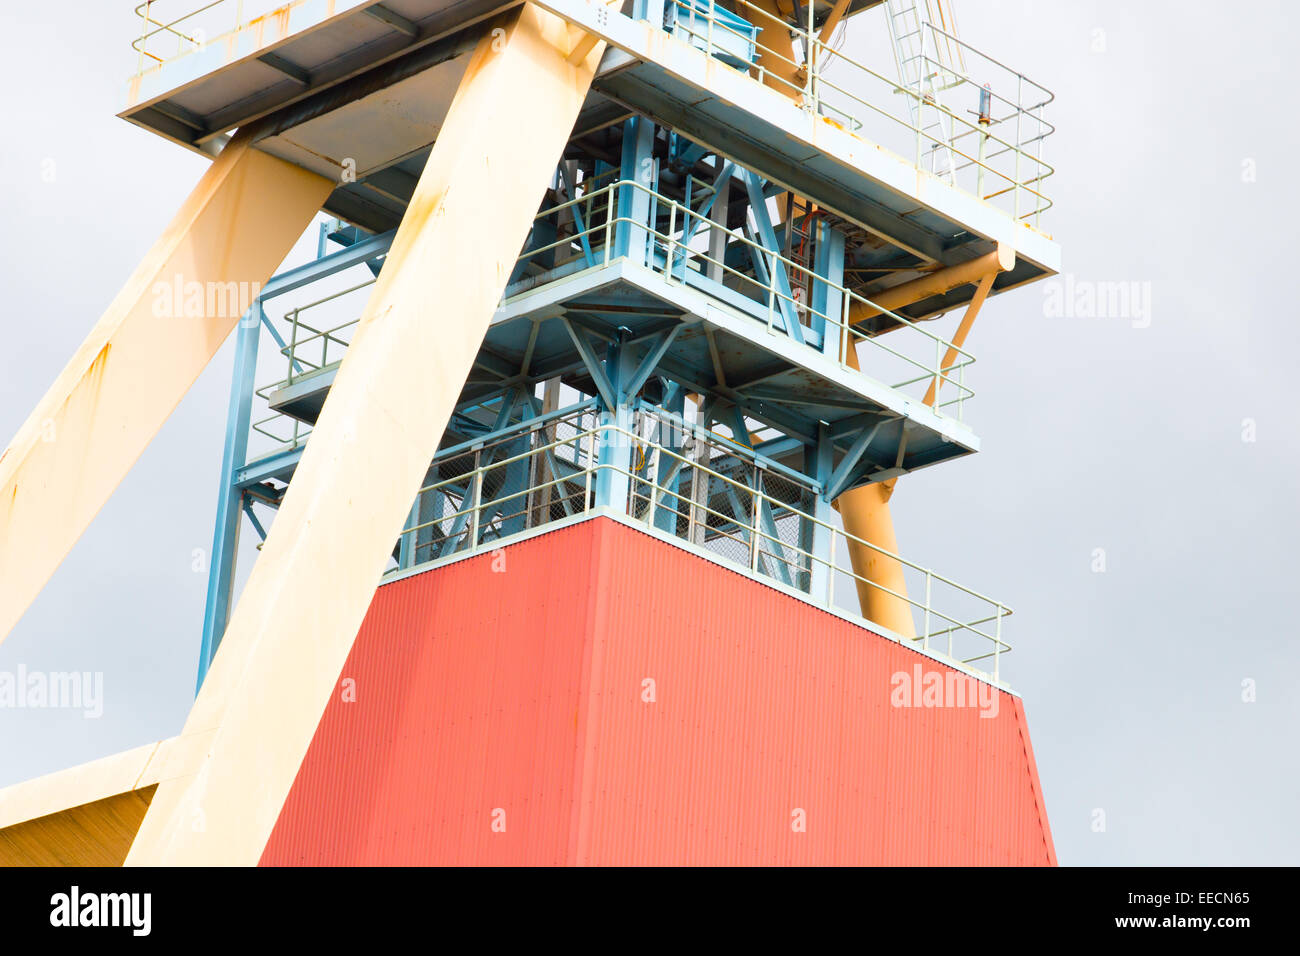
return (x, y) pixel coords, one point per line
(928, 62)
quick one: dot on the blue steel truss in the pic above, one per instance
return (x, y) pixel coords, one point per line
(614, 296)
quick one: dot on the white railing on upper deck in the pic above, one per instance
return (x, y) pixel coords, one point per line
(172, 28)
(968, 118)
(982, 130)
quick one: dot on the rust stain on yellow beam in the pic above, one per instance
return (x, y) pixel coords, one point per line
(291, 632)
(142, 356)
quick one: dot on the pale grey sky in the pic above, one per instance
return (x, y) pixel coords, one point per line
(1173, 149)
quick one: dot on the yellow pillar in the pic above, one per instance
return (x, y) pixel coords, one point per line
(288, 639)
(137, 363)
(865, 514)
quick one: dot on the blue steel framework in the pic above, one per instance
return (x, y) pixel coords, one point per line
(613, 369)
(639, 316)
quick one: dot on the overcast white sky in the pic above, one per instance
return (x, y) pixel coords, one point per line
(1175, 150)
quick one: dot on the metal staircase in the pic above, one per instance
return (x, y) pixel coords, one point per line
(929, 62)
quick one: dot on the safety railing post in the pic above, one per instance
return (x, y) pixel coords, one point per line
(929, 581)
(997, 646)
(938, 369)
(918, 118)
(1015, 189)
(293, 344)
(672, 243)
(830, 577)
(961, 390)
(591, 458)
(653, 471)
(845, 334)
(1038, 181)
(477, 502)
(771, 295)
(610, 209)
(754, 519)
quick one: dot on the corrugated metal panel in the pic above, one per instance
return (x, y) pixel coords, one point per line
(766, 706)
(467, 683)
(523, 690)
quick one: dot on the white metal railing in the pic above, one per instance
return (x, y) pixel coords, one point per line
(680, 239)
(307, 351)
(689, 484)
(911, 359)
(997, 155)
(994, 153)
(174, 28)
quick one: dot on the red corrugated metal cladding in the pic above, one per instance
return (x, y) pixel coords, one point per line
(498, 712)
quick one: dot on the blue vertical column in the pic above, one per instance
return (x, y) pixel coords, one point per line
(225, 542)
(820, 583)
(637, 166)
(668, 477)
(827, 299)
(651, 10)
(615, 454)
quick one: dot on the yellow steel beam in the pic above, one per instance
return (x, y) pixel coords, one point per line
(865, 514)
(775, 48)
(832, 21)
(959, 337)
(585, 41)
(136, 364)
(92, 834)
(291, 632)
(1001, 259)
(86, 815)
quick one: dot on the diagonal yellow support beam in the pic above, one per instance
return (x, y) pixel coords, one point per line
(959, 337)
(141, 358)
(1001, 259)
(882, 590)
(291, 632)
(833, 20)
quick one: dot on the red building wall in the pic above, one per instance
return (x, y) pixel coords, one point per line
(500, 718)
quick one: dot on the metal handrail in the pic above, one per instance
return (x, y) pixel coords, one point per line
(677, 255)
(811, 95)
(468, 487)
(325, 336)
(144, 11)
